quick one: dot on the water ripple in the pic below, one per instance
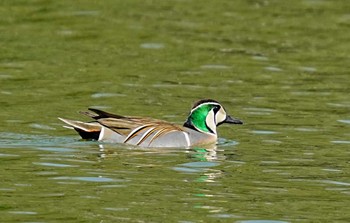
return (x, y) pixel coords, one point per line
(335, 182)
(152, 45)
(215, 66)
(306, 129)
(308, 69)
(200, 164)
(98, 179)
(194, 167)
(54, 164)
(340, 142)
(85, 13)
(226, 142)
(41, 126)
(56, 149)
(186, 170)
(23, 212)
(86, 179)
(262, 221)
(264, 132)
(115, 209)
(106, 95)
(273, 69)
(8, 155)
(346, 121)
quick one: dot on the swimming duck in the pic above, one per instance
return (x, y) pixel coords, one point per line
(199, 128)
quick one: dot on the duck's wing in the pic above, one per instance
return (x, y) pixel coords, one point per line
(135, 130)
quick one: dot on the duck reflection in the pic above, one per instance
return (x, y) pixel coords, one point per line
(202, 160)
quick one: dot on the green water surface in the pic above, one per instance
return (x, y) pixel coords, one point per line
(280, 66)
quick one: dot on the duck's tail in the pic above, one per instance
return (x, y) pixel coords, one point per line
(87, 130)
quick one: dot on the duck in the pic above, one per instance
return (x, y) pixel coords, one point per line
(200, 127)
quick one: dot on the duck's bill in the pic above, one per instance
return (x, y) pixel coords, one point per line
(231, 120)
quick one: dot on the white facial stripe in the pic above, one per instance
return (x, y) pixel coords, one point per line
(220, 116)
(210, 121)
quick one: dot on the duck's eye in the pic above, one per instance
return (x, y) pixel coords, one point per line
(216, 109)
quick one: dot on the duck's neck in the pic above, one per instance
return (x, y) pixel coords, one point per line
(201, 123)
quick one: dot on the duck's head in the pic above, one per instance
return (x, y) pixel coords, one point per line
(206, 115)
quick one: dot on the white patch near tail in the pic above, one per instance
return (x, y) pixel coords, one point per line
(102, 133)
(187, 138)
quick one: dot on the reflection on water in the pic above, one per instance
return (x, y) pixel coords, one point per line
(87, 179)
(120, 179)
(205, 160)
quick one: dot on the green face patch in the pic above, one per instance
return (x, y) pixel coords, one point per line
(198, 117)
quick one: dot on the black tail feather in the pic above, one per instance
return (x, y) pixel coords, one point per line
(102, 114)
(88, 135)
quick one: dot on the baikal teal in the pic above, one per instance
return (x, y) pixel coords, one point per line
(155, 133)
(282, 67)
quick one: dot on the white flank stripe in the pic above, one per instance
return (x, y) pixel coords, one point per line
(100, 137)
(187, 138)
(155, 136)
(144, 135)
(133, 131)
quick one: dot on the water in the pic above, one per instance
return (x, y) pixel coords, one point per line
(280, 67)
